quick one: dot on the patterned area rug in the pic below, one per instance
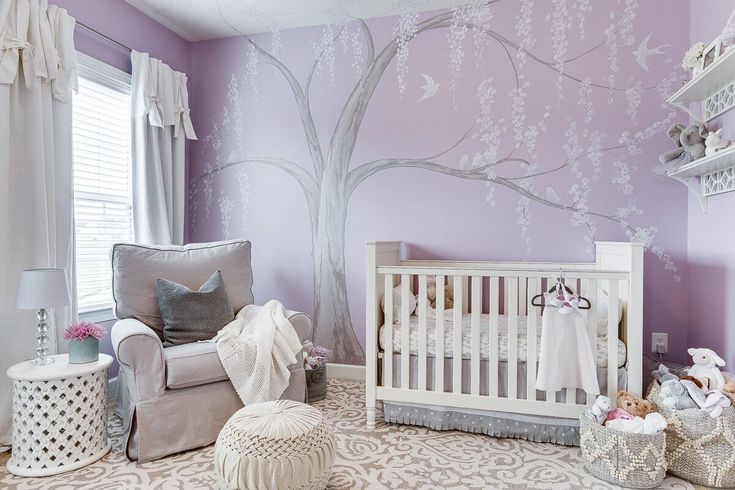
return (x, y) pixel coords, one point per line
(392, 456)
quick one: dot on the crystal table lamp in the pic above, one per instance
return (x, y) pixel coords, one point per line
(39, 289)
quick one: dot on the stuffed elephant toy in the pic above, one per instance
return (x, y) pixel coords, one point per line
(689, 142)
(676, 395)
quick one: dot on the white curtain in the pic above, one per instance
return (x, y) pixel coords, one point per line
(37, 77)
(161, 125)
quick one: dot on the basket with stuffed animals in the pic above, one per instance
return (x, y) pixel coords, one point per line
(624, 445)
(700, 418)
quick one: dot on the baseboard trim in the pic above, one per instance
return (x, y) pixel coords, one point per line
(346, 371)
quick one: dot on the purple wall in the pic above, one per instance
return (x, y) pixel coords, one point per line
(711, 236)
(435, 215)
(408, 204)
(129, 26)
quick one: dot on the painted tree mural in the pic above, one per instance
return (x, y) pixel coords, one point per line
(331, 176)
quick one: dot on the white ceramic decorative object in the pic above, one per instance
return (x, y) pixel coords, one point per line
(59, 416)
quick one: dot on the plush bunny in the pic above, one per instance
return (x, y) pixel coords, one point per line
(715, 142)
(705, 367)
(601, 408)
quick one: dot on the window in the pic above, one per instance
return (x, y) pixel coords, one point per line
(102, 177)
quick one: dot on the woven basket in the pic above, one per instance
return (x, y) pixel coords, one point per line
(700, 449)
(621, 458)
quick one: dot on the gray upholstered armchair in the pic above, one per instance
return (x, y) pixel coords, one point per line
(178, 398)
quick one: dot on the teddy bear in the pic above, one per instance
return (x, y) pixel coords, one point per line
(634, 405)
(431, 294)
(728, 389)
(602, 406)
(705, 368)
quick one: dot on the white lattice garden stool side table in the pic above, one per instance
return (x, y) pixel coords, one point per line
(59, 416)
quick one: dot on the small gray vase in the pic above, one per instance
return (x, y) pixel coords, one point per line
(83, 351)
(316, 383)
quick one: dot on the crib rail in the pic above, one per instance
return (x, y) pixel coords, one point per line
(486, 377)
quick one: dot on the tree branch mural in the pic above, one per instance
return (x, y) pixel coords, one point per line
(332, 176)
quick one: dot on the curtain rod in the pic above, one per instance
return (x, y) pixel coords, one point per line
(103, 36)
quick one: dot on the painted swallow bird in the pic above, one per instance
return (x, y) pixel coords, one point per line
(644, 51)
(430, 88)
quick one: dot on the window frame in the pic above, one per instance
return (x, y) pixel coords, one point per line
(113, 78)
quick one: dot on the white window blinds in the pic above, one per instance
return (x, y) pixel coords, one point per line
(102, 177)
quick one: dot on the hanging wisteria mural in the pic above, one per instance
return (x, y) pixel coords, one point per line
(504, 155)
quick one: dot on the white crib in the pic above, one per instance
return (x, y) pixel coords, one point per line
(483, 291)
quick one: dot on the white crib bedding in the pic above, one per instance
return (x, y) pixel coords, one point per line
(600, 357)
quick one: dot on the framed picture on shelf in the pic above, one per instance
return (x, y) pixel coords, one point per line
(711, 53)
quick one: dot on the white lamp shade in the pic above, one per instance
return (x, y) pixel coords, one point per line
(42, 288)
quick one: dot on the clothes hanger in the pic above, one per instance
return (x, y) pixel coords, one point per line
(559, 284)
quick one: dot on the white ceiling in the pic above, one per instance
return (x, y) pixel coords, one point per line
(199, 20)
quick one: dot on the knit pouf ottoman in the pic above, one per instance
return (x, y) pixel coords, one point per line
(275, 445)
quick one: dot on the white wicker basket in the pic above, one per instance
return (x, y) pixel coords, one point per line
(701, 449)
(622, 458)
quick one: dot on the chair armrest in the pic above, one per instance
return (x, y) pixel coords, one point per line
(140, 354)
(301, 323)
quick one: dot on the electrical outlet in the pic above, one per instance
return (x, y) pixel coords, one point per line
(660, 343)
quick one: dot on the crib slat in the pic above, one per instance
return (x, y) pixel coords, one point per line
(405, 331)
(533, 288)
(590, 292)
(494, 302)
(476, 312)
(550, 394)
(612, 340)
(457, 335)
(465, 294)
(422, 332)
(439, 339)
(522, 299)
(513, 338)
(388, 350)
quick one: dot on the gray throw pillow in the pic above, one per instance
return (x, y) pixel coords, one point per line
(189, 316)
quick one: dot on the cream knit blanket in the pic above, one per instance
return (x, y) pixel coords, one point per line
(256, 349)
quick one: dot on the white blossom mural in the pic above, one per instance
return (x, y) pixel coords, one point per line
(508, 158)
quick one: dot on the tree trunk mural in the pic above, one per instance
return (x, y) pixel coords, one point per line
(329, 179)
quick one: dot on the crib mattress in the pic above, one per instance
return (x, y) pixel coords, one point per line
(600, 352)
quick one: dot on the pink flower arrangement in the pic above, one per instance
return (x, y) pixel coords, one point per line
(315, 355)
(83, 330)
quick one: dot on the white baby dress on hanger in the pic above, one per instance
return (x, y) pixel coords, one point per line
(565, 359)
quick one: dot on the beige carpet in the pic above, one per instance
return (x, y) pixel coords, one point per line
(392, 456)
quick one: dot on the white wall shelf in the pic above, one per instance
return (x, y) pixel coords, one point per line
(714, 88)
(708, 176)
(719, 161)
